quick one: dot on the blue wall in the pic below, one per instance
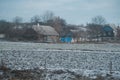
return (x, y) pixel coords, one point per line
(66, 39)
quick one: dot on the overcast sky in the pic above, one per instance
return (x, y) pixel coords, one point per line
(73, 11)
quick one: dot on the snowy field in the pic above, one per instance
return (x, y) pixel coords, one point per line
(83, 58)
(18, 59)
(107, 47)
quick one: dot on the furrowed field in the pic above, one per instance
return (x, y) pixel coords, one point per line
(60, 61)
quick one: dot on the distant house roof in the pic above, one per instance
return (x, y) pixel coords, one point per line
(83, 28)
(79, 29)
(74, 31)
(107, 28)
(18, 27)
(45, 30)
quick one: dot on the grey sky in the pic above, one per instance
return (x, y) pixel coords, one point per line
(73, 11)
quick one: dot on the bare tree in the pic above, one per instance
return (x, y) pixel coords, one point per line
(48, 15)
(118, 33)
(4, 26)
(57, 23)
(94, 31)
(100, 20)
(35, 19)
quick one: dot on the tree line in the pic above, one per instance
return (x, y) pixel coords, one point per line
(23, 29)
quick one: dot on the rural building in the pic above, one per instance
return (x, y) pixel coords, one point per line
(108, 33)
(75, 35)
(67, 38)
(46, 33)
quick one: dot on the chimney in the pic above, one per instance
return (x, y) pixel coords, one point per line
(38, 24)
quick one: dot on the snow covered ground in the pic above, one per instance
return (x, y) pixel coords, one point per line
(44, 46)
(87, 59)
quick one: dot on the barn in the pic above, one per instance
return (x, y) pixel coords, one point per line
(46, 33)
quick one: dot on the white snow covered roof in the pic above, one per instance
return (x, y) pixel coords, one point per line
(45, 30)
